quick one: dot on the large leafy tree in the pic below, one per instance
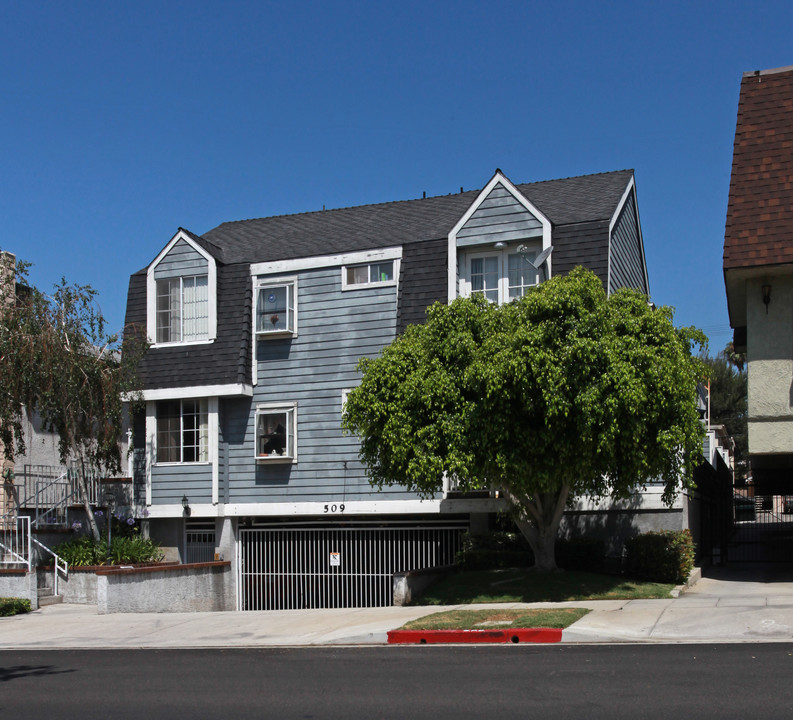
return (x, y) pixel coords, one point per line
(56, 357)
(564, 393)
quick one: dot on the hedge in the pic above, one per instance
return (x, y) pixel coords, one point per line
(663, 556)
(14, 606)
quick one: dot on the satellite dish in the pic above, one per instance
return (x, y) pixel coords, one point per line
(542, 257)
(539, 262)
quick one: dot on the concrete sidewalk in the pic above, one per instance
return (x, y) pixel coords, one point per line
(717, 609)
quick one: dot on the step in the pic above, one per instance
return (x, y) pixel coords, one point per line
(50, 599)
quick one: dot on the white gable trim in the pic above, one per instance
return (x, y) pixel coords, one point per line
(629, 190)
(499, 177)
(151, 288)
(319, 261)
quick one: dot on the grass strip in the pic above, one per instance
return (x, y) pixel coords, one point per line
(523, 585)
(497, 619)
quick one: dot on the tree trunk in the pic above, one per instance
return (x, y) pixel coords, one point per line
(89, 511)
(538, 518)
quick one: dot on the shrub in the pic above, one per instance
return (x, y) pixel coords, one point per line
(133, 550)
(14, 606)
(582, 553)
(664, 556)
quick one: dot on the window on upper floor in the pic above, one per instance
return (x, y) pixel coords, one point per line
(182, 310)
(182, 431)
(276, 436)
(499, 275)
(354, 277)
(276, 308)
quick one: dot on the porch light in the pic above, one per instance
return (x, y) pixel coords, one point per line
(186, 505)
(766, 297)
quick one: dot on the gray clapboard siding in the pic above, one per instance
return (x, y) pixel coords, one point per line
(181, 259)
(627, 259)
(499, 218)
(335, 329)
(170, 482)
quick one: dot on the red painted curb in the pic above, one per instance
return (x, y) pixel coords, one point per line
(514, 635)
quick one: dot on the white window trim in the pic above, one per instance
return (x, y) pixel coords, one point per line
(269, 408)
(275, 282)
(365, 286)
(151, 294)
(465, 285)
(320, 261)
(211, 439)
(453, 273)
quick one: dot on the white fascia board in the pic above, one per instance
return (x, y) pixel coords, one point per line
(499, 177)
(151, 289)
(310, 263)
(630, 189)
(318, 509)
(196, 391)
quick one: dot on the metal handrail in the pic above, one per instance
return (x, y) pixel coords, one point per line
(60, 565)
(11, 545)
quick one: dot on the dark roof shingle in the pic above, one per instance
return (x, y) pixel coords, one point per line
(759, 228)
(580, 199)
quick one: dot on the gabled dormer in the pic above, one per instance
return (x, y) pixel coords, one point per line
(181, 294)
(493, 246)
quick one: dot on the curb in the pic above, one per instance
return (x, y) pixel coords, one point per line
(515, 635)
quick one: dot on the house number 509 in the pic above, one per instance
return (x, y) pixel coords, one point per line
(334, 508)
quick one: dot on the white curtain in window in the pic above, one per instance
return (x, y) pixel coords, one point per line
(195, 308)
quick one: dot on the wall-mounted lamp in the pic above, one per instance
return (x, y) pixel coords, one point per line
(499, 245)
(766, 297)
(186, 506)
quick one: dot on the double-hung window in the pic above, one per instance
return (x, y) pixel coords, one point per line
(276, 437)
(276, 308)
(182, 309)
(182, 431)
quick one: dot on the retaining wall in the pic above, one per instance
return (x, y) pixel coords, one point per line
(197, 587)
(19, 584)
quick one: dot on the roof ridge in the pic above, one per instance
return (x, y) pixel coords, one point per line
(411, 200)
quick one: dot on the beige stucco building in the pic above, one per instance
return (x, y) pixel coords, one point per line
(758, 269)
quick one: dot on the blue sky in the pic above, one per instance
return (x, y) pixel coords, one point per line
(121, 122)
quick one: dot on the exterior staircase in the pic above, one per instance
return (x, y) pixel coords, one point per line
(39, 501)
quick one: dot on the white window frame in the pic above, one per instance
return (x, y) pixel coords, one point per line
(151, 293)
(466, 285)
(290, 283)
(290, 410)
(181, 313)
(205, 434)
(346, 285)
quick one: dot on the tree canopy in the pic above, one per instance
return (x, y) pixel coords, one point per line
(566, 392)
(56, 357)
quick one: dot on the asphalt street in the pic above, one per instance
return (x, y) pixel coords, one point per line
(438, 682)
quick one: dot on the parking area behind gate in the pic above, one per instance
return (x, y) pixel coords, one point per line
(285, 568)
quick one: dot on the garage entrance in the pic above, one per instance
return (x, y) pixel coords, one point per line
(285, 568)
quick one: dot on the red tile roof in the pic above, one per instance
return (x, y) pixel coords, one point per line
(759, 228)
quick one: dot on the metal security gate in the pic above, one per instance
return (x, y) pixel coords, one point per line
(290, 568)
(199, 541)
(763, 528)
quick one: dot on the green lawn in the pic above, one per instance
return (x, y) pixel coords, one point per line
(497, 619)
(522, 585)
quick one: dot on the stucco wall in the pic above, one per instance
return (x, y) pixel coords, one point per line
(201, 587)
(770, 365)
(19, 585)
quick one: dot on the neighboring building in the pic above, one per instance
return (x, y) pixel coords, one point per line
(758, 269)
(256, 328)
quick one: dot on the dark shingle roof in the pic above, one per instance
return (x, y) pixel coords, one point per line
(759, 228)
(580, 199)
